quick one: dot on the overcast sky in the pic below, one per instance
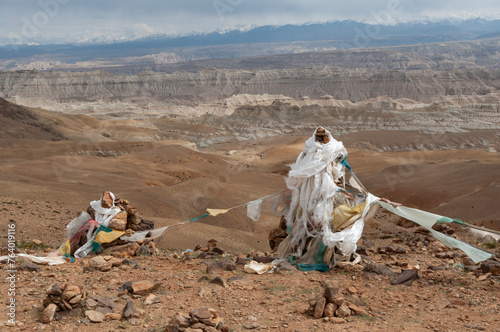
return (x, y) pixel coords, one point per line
(44, 21)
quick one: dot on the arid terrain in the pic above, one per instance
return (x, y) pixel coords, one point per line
(421, 125)
(172, 169)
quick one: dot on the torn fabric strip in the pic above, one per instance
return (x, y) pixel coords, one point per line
(253, 209)
(427, 220)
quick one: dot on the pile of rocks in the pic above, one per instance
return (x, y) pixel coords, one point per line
(333, 306)
(278, 234)
(60, 298)
(201, 319)
(128, 220)
(210, 250)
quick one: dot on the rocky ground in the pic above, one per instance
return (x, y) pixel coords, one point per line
(147, 293)
(47, 180)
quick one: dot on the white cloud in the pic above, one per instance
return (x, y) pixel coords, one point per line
(77, 20)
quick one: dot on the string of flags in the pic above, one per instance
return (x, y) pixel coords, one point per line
(253, 212)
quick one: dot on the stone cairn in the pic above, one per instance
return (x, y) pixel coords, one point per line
(60, 298)
(333, 306)
(127, 220)
(201, 319)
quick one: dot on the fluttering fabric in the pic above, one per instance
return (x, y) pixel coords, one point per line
(318, 183)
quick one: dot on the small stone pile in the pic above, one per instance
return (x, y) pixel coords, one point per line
(128, 220)
(333, 306)
(278, 234)
(210, 250)
(201, 319)
(60, 298)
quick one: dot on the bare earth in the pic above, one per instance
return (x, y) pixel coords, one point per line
(46, 181)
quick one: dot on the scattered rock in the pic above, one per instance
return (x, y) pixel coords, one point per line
(223, 264)
(99, 263)
(128, 310)
(251, 326)
(219, 281)
(235, 278)
(28, 267)
(357, 310)
(392, 250)
(144, 287)
(379, 269)
(94, 316)
(151, 299)
(405, 223)
(49, 313)
(405, 278)
(36, 242)
(113, 316)
(337, 320)
(491, 266)
(484, 277)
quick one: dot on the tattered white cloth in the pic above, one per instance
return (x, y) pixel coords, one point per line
(318, 183)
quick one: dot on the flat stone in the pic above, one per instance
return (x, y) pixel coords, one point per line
(337, 320)
(251, 326)
(28, 267)
(104, 302)
(357, 310)
(379, 269)
(128, 310)
(202, 313)
(94, 316)
(483, 277)
(49, 313)
(144, 287)
(113, 316)
(90, 304)
(405, 278)
(104, 310)
(151, 298)
(99, 263)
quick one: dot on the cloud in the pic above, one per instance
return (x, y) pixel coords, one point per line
(70, 20)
